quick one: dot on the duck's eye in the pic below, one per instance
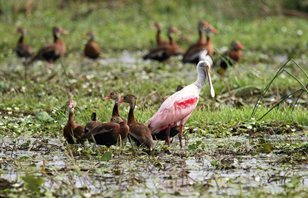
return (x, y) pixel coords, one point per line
(86, 130)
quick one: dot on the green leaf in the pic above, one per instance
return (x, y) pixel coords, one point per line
(32, 183)
(266, 147)
(106, 156)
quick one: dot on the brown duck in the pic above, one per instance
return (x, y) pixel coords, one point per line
(92, 123)
(54, 51)
(159, 40)
(140, 133)
(164, 52)
(22, 49)
(192, 53)
(109, 133)
(232, 56)
(72, 132)
(115, 111)
(92, 49)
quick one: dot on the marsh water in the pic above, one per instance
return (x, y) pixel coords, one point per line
(265, 162)
(225, 166)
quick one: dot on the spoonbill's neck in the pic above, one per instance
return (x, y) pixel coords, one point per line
(201, 77)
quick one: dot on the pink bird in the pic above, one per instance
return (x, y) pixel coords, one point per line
(177, 108)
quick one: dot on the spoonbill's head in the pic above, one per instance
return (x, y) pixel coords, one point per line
(21, 30)
(115, 96)
(205, 65)
(208, 28)
(236, 45)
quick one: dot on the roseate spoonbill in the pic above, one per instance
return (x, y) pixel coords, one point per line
(161, 135)
(72, 131)
(92, 49)
(192, 53)
(54, 51)
(164, 52)
(139, 132)
(177, 108)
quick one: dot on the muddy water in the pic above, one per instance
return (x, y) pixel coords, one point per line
(215, 170)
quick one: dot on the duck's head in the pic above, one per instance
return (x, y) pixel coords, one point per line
(172, 29)
(236, 45)
(21, 30)
(70, 106)
(130, 99)
(115, 96)
(158, 25)
(208, 28)
(90, 35)
(117, 119)
(57, 31)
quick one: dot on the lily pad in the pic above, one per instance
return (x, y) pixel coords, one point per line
(43, 116)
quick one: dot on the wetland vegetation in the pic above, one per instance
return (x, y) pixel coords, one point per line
(228, 150)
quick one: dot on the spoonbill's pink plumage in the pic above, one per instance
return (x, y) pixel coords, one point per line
(177, 108)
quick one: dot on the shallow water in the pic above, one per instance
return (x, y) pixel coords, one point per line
(178, 173)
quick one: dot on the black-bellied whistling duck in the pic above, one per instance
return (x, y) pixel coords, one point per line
(164, 52)
(54, 51)
(92, 49)
(72, 132)
(192, 53)
(232, 56)
(115, 111)
(92, 123)
(140, 133)
(159, 40)
(23, 50)
(109, 133)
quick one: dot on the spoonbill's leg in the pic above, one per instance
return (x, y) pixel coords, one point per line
(181, 134)
(168, 135)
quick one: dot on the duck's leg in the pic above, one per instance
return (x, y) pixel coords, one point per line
(168, 135)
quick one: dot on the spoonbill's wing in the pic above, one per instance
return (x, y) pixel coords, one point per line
(175, 108)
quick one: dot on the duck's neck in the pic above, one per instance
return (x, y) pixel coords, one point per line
(200, 79)
(21, 38)
(131, 117)
(208, 38)
(71, 120)
(170, 38)
(91, 39)
(115, 110)
(158, 39)
(55, 38)
(200, 40)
